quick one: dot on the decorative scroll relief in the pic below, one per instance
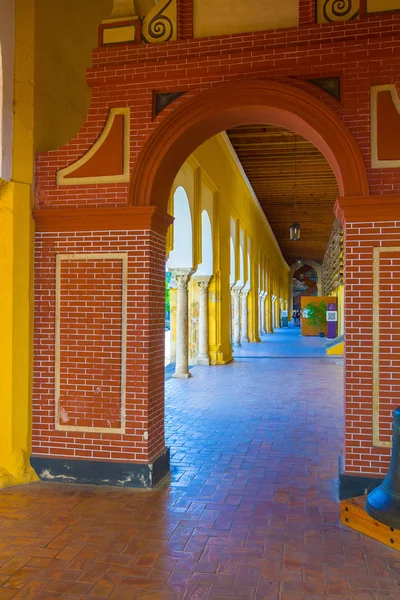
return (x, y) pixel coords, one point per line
(90, 345)
(386, 342)
(107, 161)
(330, 11)
(378, 6)
(385, 127)
(7, 30)
(160, 24)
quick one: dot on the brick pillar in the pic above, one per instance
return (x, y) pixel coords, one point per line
(185, 19)
(98, 392)
(307, 12)
(372, 337)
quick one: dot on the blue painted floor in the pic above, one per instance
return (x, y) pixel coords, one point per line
(284, 343)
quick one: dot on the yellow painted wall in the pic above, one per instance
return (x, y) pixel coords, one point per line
(65, 35)
(382, 5)
(16, 252)
(238, 16)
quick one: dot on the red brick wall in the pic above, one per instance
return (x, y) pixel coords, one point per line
(91, 342)
(86, 299)
(360, 240)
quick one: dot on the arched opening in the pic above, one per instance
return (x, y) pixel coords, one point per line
(180, 258)
(181, 255)
(237, 103)
(206, 265)
(178, 142)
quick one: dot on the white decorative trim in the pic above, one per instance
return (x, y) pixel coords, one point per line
(375, 162)
(123, 257)
(63, 180)
(376, 441)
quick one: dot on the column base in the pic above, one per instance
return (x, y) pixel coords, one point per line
(219, 358)
(178, 375)
(96, 472)
(237, 345)
(245, 339)
(16, 471)
(203, 361)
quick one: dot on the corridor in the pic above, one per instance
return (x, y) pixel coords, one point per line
(250, 512)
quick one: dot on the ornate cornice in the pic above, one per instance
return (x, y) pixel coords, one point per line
(361, 209)
(127, 218)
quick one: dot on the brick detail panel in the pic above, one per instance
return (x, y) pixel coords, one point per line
(361, 455)
(307, 12)
(143, 439)
(185, 19)
(388, 316)
(90, 348)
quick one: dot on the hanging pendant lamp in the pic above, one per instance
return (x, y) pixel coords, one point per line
(295, 227)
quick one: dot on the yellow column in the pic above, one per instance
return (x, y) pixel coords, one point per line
(16, 277)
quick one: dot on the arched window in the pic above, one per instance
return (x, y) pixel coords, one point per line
(206, 266)
(181, 256)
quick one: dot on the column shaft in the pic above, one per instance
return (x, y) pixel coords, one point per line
(203, 357)
(236, 315)
(182, 277)
(245, 322)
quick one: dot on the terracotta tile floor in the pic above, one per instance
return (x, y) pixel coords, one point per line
(251, 511)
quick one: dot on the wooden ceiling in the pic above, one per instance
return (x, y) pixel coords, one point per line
(270, 156)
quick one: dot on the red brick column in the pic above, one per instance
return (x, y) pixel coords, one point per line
(185, 19)
(98, 393)
(372, 334)
(307, 12)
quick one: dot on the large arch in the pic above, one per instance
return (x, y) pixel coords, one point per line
(237, 103)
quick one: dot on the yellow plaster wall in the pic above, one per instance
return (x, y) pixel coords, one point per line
(65, 35)
(16, 251)
(238, 16)
(382, 5)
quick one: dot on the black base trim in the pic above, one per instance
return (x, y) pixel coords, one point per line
(351, 486)
(96, 472)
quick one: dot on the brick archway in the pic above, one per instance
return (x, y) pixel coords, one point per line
(237, 103)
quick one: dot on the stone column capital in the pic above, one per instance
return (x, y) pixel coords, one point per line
(173, 284)
(182, 277)
(245, 292)
(260, 295)
(236, 289)
(203, 281)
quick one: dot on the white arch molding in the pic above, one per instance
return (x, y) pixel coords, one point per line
(7, 33)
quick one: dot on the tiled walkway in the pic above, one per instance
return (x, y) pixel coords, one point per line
(284, 343)
(251, 512)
